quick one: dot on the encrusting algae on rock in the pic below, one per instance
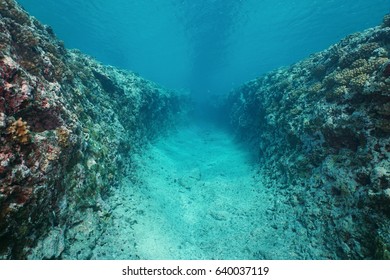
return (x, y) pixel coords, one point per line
(48, 97)
(321, 130)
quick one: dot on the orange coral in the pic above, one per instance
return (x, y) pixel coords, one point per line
(19, 131)
(63, 136)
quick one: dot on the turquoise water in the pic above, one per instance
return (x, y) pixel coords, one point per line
(204, 46)
(196, 193)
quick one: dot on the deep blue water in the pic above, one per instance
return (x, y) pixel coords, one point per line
(204, 46)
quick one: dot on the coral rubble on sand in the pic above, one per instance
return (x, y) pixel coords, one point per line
(67, 127)
(322, 132)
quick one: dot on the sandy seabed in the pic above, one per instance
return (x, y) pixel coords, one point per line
(198, 196)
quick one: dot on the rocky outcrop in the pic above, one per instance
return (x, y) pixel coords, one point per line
(68, 126)
(321, 129)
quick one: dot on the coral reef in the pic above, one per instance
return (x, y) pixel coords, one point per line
(68, 126)
(321, 131)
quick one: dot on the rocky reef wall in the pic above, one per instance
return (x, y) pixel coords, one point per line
(68, 126)
(321, 129)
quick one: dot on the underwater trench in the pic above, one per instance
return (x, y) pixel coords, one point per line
(197, 195)
(73, 129)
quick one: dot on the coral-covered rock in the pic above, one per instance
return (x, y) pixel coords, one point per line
(321, 129)
(67, 127)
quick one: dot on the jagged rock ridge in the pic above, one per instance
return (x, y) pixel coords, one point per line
(67, 127)
(321, 129)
